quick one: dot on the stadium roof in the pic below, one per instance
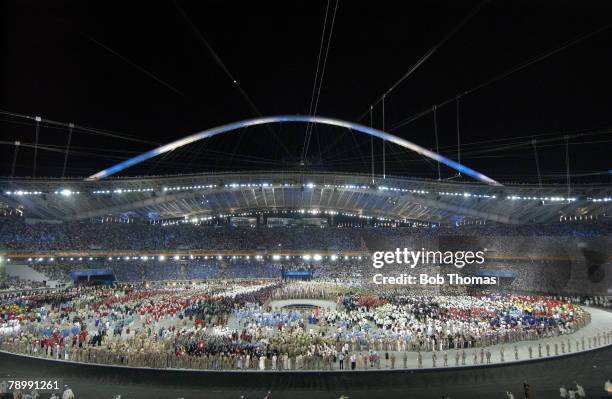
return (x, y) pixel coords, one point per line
(211, 195)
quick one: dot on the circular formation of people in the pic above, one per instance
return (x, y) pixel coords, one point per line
(235, 325)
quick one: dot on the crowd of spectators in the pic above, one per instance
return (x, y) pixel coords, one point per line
(15, 234)
(12, 283)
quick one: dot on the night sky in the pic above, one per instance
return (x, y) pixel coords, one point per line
(138, 69)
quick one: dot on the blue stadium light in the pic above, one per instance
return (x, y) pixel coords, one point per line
(462, 169)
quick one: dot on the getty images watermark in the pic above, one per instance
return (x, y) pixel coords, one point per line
(412, 259)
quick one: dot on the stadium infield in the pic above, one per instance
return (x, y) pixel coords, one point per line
(590, 368)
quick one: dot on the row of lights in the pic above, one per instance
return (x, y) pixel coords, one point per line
(64, 192)
(182, 188)
(466, 195)
(161, 258)
(551, 199)
(124, 190)
(69, 192)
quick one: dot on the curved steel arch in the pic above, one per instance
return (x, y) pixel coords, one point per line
(292, 118)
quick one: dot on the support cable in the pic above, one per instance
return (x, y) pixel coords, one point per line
(70, 127)
(221, 65)
(383, 142)
(435, 118)
(428, 54)
(38, 119)
(84, 129)
(136, 66)
(17, 144)
(458, 138)
(372, 144)
(504, 74)
(316, 105)
(316, 79)
(537, 162)
(567, 165)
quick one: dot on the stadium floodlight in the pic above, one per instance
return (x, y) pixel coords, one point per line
(333, 257)
(162, 257)
(287, 257)
(317, 257)
(71, 259)
(276, 257)
(190, 256)
(306, 257)
(248, 257)
(345, 257)
(219, 257)
(51, 259)
(110, 258)
(90, 258)
(29, 259)
(176, 257)
(40, 259)
(66, 192)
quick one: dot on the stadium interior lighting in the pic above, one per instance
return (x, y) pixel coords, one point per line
(51, 259)
(276, 257)
(162, 257)
(176, 257)
(306, 257)
(333, 257)
(317, 257)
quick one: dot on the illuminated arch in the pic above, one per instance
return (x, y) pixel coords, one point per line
(292, 118)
